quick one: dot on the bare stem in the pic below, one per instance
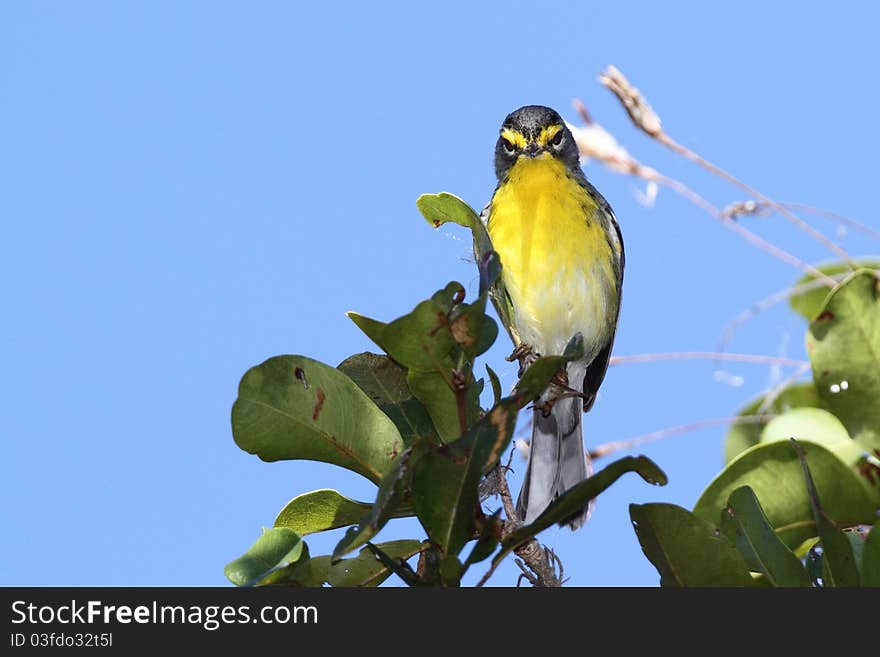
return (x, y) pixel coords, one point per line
(619, 160)
(668, 141)
(629, 443)
(707, 355)
(833, 216)
(647, 120)
(773, 394)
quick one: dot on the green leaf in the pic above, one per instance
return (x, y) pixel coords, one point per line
(365, 569)
(844, 346)
(857, 544)
(275, 549)
(744, 435)
(392, 500)
(774, 472)
(496, 384)
(488, 540)
(839, 561)
(746, 525)
(445, 480)
(305, 572)
(686, 550)
(384, 381)
(293, 407)
(817, 426)
(444, 207)
(573, 501)
(473, 329)
(433, 390)
(871, 557)
(319, 511)
(420, 340)
(808, 303)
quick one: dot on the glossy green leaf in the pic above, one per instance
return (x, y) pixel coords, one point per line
(420, 340)
(774, 472)
(444, 207)
(392, 500)
(276, 548)
(686, 550)
(445, 480)
(384, 381)
(839, 561)
(573, 501)
(808, 302)
(844, 346)
(746, 525)
(305, 572)
(365, 569)
(871, 557)
(744, 435)
(817, 426)
(293, 407)
(319, 511)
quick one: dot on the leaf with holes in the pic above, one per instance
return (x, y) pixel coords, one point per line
(812, 292)
(844, 347)
(293, 407)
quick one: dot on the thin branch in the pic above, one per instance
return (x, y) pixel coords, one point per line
(771, 396)
(833, 216)
(647, 120)
(595, 142)
(707, 355)
(768, 302)
(629, 443)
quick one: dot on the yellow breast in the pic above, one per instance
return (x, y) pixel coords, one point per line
(555, 256)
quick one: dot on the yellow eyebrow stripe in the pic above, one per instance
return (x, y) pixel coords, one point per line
(514, 137)
(548, 133)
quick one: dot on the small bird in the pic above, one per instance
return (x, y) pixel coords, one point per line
(562, 265)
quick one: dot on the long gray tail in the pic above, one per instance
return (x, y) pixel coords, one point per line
(556, 459)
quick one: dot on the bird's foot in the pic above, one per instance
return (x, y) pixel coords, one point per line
(525, 355)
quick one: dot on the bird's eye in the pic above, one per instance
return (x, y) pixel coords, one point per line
(509, 148)
(558, 138)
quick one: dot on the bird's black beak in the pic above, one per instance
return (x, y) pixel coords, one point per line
(533, 149)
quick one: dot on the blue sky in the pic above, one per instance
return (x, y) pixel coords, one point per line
(191, 189)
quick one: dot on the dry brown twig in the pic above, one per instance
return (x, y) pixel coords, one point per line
(595, 142)
(540, 566)
(644, 118)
